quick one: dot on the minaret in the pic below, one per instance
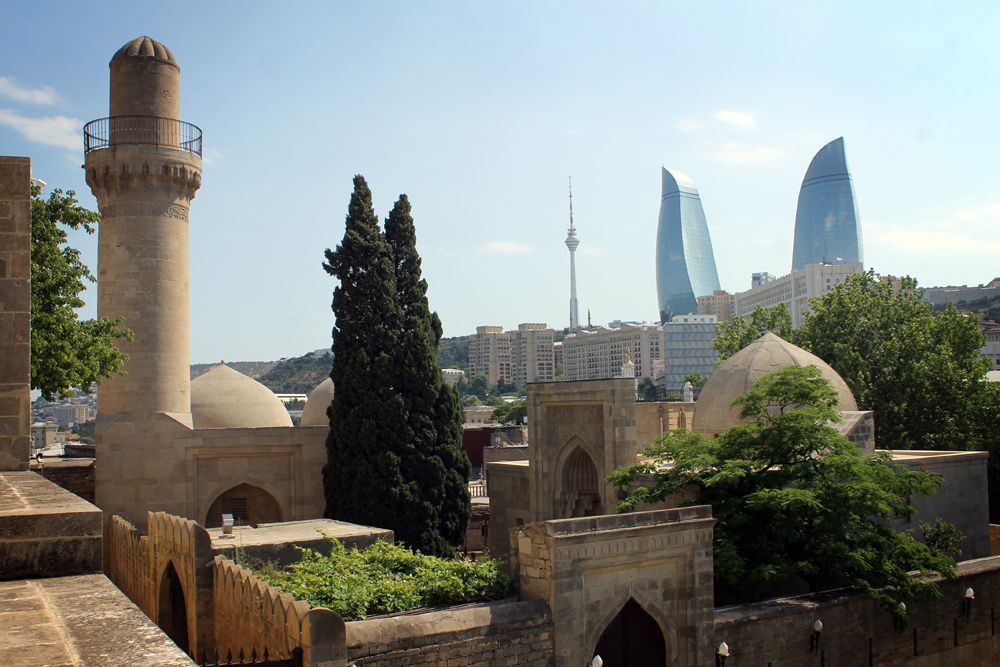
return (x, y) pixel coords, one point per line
(572, 243)
(144, 166)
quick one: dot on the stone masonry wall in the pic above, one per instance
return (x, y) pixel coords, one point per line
(15, 312)
(74, 475)
(857, 632)
(495, 634)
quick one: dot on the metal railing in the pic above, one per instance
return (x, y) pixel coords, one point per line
(661, 394)
(141, 130)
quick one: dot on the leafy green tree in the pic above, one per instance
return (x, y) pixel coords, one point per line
(66, 353)
(513, 411)
(697, 379)
(368, 478)
(645, 385)
(794, 499)
(480, 386)
(736, 334)
(434, 429)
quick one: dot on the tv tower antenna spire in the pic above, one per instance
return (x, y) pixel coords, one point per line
(572, 242)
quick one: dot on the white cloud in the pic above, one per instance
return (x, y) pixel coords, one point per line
(55, 131)
(743, 154)
(43, 95)
(740, 119)
(507, 247)
(690, 124)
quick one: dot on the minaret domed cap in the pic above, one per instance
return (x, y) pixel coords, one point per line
(144, 47)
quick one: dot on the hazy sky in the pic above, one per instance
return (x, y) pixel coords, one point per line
(480, 110)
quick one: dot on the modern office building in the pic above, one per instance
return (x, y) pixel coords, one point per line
(719, 303)
(827, 226)
(513, 357)
(956, 293)
(685, 264)
(761, 278)
(795, 289)
(687, 349)
(598, 353)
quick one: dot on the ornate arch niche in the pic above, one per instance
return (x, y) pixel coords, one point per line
(633, 638)
(579, 484)
(249, 505)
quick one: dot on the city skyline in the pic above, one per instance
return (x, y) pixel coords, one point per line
(479, 112)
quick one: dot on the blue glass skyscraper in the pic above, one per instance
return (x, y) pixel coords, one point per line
(827, 226)
(685, 265)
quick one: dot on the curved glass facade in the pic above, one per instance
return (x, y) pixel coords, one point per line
(685, 264)
(827, 226)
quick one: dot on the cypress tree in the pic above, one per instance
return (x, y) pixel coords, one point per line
(434, 423)
(364, 480)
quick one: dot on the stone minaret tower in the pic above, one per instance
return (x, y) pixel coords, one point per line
(144, 166)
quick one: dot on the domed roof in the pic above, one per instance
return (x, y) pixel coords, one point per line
(769, 353)
(314, 414)
(144, 47)
(225, 398)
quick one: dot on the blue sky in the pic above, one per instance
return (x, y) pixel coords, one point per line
(480, 110)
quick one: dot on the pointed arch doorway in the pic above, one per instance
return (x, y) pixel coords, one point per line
(633, 638)
(172, 608)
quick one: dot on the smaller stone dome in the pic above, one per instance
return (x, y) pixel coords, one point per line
(314, 414)
(732, 379)
(225, 398)
(144, 47)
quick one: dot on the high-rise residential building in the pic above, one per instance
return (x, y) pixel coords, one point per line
(685, 264)
(513, 357)
(687, 349)
(719, 303)
(68, 413)
(827, 226)
(795, 289)
(598, 353)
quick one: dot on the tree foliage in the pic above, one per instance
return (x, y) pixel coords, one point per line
(66, 353)
(736, 334)
(385, 579)
(794, 499)
(919, 373)
(395, 426)
(696, 379)
(514, 411)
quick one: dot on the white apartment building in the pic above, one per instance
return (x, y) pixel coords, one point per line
(513, 357)
(795, 289)
(594, 354)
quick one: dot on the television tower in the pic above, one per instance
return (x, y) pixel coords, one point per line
(572, 242)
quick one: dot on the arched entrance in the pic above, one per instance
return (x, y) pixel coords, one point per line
(633, 638)
(248, 504)
(581, 491)
(172, 614)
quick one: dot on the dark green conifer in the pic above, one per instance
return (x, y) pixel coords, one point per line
(434, 425)
(365, 479)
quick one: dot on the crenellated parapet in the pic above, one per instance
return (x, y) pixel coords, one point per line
(117, 179)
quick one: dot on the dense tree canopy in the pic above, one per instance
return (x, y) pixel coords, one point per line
(66, 353)
(794, 499)
(395, 426)
(736, 334)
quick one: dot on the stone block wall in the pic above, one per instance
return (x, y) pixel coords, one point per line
(74, 475)
(509, 506)
(128, 564)
(252, 615)
(857, 632)
(15, 312)
(647, 419)
(994, 539)
(494, 634)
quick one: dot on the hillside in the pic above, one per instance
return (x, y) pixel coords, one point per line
(253, 369)
(454, 353)
(298, 375)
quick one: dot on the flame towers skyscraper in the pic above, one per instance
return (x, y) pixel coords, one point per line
(685, 264)
(572, 243)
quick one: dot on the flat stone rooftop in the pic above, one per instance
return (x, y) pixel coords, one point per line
(45, 530)
(277, 542)
(83, 621)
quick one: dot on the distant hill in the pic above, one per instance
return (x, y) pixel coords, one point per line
(454, 353)
(253, 369)
(298, 375)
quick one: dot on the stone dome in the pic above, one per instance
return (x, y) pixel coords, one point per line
(732, 379)
(225, 398)
(144, 47)
(314, 414)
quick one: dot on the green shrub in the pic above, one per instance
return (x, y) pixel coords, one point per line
(386, 578)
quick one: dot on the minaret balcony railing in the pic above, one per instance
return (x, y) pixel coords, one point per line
(142, 131)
